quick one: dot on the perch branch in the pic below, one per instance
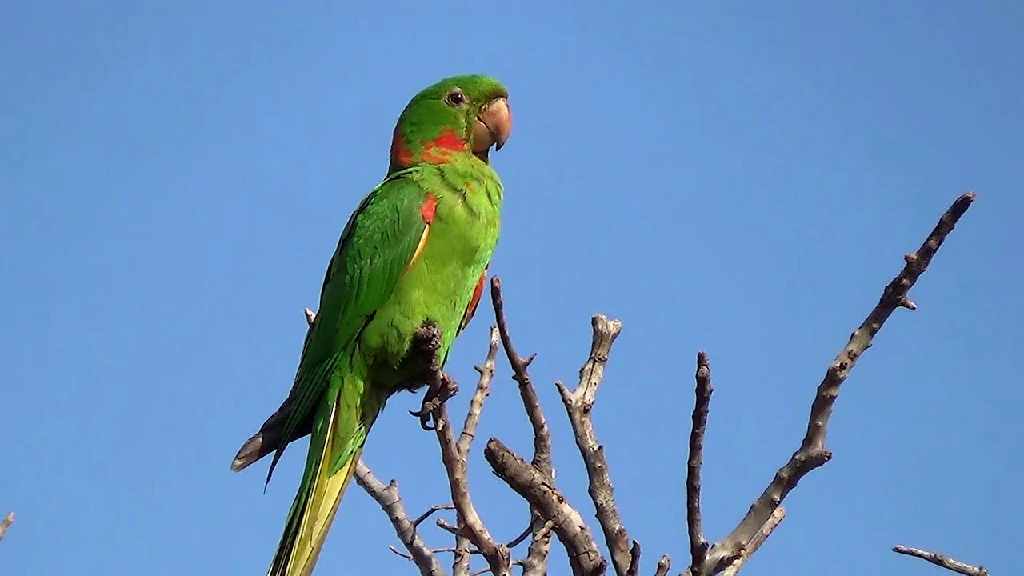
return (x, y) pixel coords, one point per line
(812, 453)
(470, 524)
(541, 493)
(390, 501)
(535, 563)
(701, 406)
(476, 404)
(578, 405)
(942, 561)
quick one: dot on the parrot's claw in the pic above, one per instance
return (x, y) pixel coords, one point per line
(441, 389)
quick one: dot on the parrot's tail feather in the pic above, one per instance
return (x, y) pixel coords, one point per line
(249, 453)
(269, 437)
(321, 506)
(333, 453)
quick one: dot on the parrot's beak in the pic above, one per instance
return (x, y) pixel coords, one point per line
(492, 127)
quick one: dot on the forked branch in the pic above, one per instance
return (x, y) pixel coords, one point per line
(812, 453)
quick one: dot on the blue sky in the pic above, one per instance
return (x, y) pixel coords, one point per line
(738, 177)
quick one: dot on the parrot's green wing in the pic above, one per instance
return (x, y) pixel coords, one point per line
(378, 244)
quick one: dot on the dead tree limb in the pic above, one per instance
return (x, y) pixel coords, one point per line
(756, 541)
(584, 557)
(579, 405)
(390, 501)
(942, 561)
(460, 565)
(536, 561)
(812, 453)
(470, 525)
(701, 406)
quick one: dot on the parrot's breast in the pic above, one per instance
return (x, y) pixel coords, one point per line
(460, 237)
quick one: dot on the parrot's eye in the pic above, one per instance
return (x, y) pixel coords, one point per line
(455, 98)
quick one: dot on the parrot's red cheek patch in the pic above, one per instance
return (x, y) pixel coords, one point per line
(400, 153)
(429, 208)
(440, 149)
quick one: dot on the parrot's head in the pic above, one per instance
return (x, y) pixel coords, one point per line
(458, 118)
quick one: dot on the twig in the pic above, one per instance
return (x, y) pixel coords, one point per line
(812, 453)
(545, 529)
(540, 492)
(663, 566)
(701, 406)
(430, 512)
(634, 560)
(470, 524)
(391, 502)
(942, 561)
(578, 405)
(6, 523)
(483, 389)
(535, 563)
(756, 541)
(460, 565)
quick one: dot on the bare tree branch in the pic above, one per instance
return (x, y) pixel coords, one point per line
(756, 542)
(942, 561)
(430, 512)
(578, 405)
(460, 565)
(483, 389)
(536, 561)
(812, 453)
(6, 523)
(391, 502)
(541, 493)
(470, 524)
(701, 406)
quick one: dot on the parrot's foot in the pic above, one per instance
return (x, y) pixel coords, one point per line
(441, 387)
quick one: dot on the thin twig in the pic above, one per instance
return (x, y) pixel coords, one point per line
(942, 561)
(430, 512)
(579, 404)
(701, 406)
(812, 453)
(6, 523)
(483, 389)
(535, 563)
(544, 530)
(390, 501)
(541, 493)
(756, 541)
(470, 524)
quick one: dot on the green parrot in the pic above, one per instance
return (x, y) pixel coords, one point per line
(404, 281)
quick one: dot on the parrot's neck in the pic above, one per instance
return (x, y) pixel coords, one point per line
(445, 148)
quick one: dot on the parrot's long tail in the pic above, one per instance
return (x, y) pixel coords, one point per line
(337, 440)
